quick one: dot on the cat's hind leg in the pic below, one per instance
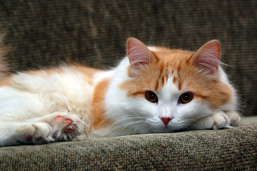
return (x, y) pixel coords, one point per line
(16, 133)
(65, 126)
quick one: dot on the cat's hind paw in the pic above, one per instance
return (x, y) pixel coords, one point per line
(65, 126)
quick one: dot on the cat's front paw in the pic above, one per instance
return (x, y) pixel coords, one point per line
(234, 118)
(218, 120)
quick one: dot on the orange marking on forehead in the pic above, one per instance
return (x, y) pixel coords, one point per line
(179, 85)
(157, 82)
(172, 71)
(156, 85)
(179, 68)
(162, 80)
(161, 68)
(174, 79)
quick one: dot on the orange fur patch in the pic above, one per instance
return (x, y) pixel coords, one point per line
(98, 104)
(6, 82)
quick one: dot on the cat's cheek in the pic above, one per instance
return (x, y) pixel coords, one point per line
(148, 109)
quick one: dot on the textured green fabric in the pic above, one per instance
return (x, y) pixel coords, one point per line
(228, 149)
(44, 33)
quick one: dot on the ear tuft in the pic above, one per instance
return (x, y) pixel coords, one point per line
(208, 57)
(138, 54)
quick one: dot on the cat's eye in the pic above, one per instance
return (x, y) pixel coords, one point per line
(186, 97)
(151, 96)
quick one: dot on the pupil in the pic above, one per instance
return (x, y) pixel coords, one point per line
(152, 96)
(186, 96)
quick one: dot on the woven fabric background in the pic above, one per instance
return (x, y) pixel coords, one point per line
(46, 33)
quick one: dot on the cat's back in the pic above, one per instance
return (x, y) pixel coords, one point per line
(72, 72)
(73, 81)
(56, 89)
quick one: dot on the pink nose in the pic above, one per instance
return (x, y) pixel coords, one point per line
(166, 120)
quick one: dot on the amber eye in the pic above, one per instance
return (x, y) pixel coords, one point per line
(185, 97)
(151, 96)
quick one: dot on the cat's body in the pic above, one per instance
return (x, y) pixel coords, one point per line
(150, 91)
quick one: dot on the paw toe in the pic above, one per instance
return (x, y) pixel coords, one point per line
(58, 118)
(67, 121)
(220, 120)
(234, 118)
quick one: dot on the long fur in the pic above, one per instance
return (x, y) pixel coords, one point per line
(69, 102)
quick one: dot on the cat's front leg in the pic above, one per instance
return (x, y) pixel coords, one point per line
(58, 126)
(15, 133)
(34, 133)
(218, 120)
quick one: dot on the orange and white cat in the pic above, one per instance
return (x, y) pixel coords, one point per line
(152, 90)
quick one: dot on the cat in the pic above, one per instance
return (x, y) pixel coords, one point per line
(152, 90)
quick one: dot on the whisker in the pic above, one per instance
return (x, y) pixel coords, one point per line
(125, 125)
(149, 44)
(151, 36)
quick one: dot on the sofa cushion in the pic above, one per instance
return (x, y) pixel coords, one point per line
(227, 149)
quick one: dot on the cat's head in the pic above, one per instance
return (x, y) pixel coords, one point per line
(166, 89)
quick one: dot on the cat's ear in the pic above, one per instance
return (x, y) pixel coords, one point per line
(208, 57)
(138, 54)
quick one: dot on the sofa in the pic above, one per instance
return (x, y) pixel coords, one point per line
(48, 33)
